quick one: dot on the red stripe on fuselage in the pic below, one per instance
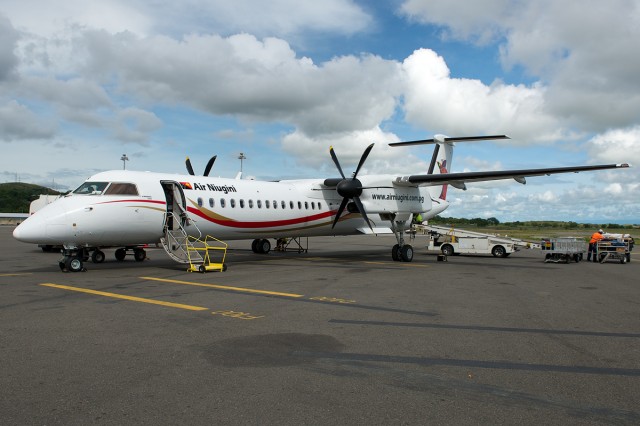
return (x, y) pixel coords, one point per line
(264, 224)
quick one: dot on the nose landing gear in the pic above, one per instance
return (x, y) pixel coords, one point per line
(73, 259)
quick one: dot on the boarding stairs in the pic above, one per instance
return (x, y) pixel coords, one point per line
(196, 251)
(177, 243)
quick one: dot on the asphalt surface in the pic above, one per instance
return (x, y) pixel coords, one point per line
(338, 335)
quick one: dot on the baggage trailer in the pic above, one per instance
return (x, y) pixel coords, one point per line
(617, 249)
(563, 249)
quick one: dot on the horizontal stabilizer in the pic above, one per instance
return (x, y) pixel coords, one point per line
(442, 139)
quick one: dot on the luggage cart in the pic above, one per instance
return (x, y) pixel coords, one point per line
(563, 249)
(614, 249)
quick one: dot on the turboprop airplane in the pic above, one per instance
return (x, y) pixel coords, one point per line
(127, 209)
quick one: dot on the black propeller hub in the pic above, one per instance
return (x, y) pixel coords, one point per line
(349, 188)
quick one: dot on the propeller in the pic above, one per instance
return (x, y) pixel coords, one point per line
(207, 169)
(349, 188)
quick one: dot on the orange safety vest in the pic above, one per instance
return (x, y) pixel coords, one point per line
(595, 238)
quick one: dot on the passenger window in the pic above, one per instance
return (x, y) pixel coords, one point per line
(306, 205)
(222, 203)
(319, 206)
(275, 204)
(242, 204)
(284, 205)
(259, 203)
(232, 202)
(121, 189)
(200, 201)
(299, 205)
(266, 203)
(250, 204)
(291, 205)
(211, 203)
(313, 205)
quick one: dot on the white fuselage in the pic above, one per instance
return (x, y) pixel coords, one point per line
(130, 208)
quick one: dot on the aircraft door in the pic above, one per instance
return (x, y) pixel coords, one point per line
(176, 205)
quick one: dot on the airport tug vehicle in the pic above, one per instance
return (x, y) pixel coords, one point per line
(452, 241)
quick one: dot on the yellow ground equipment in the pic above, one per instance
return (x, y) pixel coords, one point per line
(200, 254)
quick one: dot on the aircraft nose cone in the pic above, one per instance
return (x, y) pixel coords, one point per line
(31, 230)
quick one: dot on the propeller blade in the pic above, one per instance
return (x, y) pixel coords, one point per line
(335, 160)
(434, 158)
(189, 168)
(209, 165)
(340, 210)
(365, 154)
(362, 212)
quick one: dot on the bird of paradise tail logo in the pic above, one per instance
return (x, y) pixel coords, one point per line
(443, 170)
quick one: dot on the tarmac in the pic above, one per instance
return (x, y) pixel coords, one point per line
(338, 335)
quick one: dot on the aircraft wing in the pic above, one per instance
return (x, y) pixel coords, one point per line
(458, 180)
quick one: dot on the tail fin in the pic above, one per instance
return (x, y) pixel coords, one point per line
(444, 159)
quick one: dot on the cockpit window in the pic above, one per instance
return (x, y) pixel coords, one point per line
(121, 189)
(89, 188)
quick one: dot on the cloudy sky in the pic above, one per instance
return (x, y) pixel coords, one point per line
(84, 81)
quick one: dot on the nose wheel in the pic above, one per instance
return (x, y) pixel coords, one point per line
(72, 261)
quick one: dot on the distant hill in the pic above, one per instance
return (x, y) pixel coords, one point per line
(16, 197)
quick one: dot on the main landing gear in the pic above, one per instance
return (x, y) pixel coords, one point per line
(400, 252)
(73, 258)
(261, 246)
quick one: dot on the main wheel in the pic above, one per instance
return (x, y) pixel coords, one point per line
(139, 255)
(447, 250)
(395, 253)
(97, 256)
(120, 254)
(498, 251)
(406, 253)
(73, 264)
(264, 246)
(254, 245)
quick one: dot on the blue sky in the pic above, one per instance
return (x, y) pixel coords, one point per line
(83, 82)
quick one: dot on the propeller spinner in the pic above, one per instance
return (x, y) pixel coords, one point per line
(349, 188)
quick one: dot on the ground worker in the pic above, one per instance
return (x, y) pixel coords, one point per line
(593, 245)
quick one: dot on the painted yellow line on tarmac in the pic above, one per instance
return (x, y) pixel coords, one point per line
(15, 275)
(122, 296)
(224, 287)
